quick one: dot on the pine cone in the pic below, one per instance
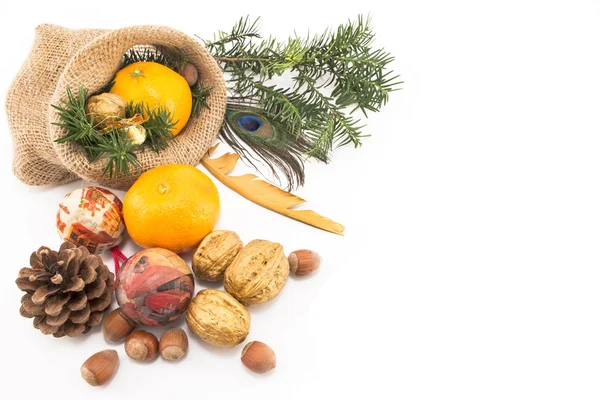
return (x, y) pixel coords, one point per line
(67, 292)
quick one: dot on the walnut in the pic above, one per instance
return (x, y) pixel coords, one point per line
(216, 251)
(217, 318)
(105, 108)
(258, 272)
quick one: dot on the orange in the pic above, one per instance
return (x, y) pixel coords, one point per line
(172, 206)
(158, 86)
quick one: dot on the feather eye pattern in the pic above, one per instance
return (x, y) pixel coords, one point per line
(259, 139)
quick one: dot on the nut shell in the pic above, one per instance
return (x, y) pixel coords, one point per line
(137, 134)
(173, 344)
(218, 318)
(141, 346)
(117, 326)
(214, 254)
(304, 262)
(100, 367)
(189, 73)
(258, 357)
(105, 108)
(258, 273)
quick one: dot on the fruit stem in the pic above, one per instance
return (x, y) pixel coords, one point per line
(136, 73)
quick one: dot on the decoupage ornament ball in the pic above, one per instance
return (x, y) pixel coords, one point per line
(91, 217)
(154, 287)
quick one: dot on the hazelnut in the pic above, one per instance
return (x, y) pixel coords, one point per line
(258, 357)
(189, 73)
(215, 253)
(100, 367)
(257, 273)
(141, 346)
(173, 344)
(117, 326)
(304, 262)
(218, 318)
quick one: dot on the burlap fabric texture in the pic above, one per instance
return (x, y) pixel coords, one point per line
(62, 58)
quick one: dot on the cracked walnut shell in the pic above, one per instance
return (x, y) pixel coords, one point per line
(258, 272)
(217, 318)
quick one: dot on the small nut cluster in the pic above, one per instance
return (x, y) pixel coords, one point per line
(252, 275)
(140, 345)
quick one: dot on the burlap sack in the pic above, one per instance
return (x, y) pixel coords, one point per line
(62, 58)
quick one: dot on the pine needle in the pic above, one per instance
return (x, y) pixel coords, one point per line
(342, 62)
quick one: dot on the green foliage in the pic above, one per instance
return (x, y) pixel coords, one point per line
(74, 120)
(158, 126)
(118, 151)
(166, 56)
(341, 62)
(200, 95)
(114, 146)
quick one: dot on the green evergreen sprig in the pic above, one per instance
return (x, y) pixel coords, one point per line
(166, 56)
(200, 95)
(115, 147)
(158, 126)
(75, 121)
(335, 74)
(118, 151)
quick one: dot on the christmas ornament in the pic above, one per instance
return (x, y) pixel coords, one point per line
(67, 292)
(91, 217)
(155, 287)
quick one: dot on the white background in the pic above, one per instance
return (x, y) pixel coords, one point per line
(469, 268)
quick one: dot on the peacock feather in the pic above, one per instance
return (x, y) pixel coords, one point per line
(260, 139)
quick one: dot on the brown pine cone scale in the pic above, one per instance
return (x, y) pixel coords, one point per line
(66, 292)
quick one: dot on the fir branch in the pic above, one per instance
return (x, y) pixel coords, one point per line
(74, 119)
(341, 61)
(158, 126)
(242, 31)
(166, 56)
(118, 150)
(200, 95)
